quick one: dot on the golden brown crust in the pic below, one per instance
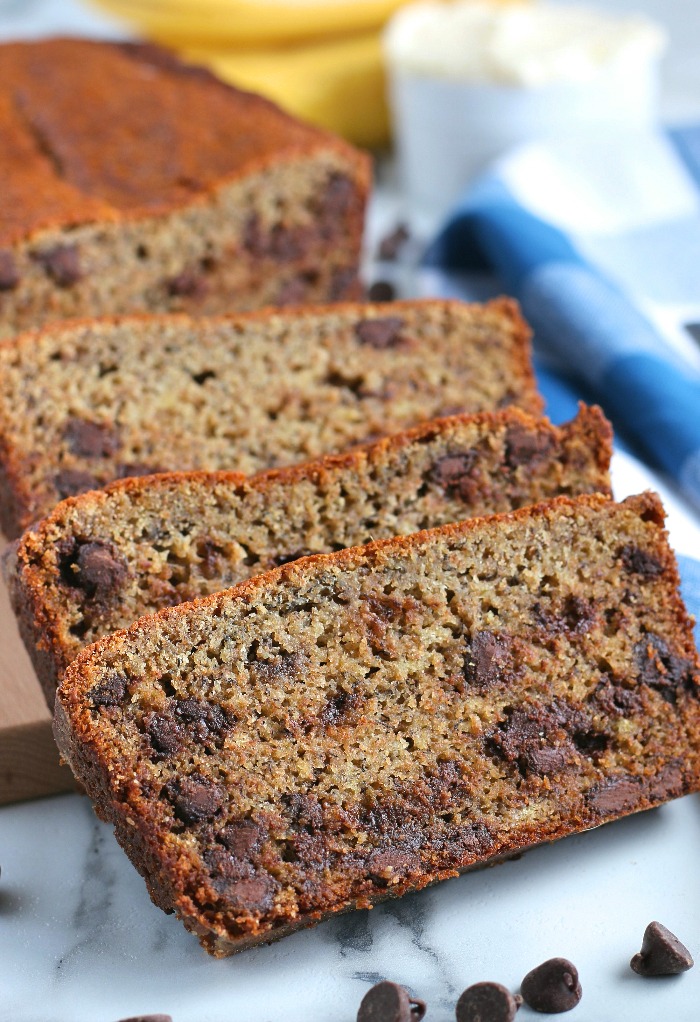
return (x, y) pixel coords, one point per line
(75, 107)
(446, 718)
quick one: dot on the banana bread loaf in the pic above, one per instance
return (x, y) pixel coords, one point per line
(360, 724)
(131, 181)
(82, 404)
(105, 558)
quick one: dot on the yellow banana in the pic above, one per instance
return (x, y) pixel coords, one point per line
(251, 22)
(338, 84)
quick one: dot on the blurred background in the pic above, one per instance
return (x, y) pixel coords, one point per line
(320, 60)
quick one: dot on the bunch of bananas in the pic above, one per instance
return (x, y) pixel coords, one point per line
(319, 59)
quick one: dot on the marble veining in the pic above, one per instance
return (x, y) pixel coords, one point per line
(81, 942)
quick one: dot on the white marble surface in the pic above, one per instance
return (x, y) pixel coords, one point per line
(80, 941)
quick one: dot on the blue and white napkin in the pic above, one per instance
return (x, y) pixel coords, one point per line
(599, 240)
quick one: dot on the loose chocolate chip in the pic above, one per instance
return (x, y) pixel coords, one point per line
(640, 562)
(254, 895)
(526, 448)
(98, 570)
(241, 838)
(148, 1018)
(380, 333)
(455, 475)
(194, 798)
(62, 264)
(381, 291)
(91, 439)
(487, 1002)
(388, 1002)
(164, 733)
(391, 245)
(110, 692)
(71, 481)
(662, 953)
(187, 284)
(9, 274)
(489, 660)
(552, 987)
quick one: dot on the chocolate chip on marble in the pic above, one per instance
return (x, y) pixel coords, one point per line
(148, 1018)
(110, 692)
(640, 562)
(165, 735)
(487, 1002)
(194, 798)
(9, 274)
(91, 439)
(552, 987)
(62, 264)
(380, 333)
(389, 1002)
(391, 244)
(381, 291)
(71, 481)
(524, 447)
(662, 953)
(98, 570)
(187, 284)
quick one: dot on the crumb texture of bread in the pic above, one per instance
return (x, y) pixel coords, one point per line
(104, 559)
(85, 403)
(356, 725)
(133, 182)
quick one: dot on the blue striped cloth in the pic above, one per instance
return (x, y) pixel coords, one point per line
(585, 321)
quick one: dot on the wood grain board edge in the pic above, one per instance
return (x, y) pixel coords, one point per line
(29, 763)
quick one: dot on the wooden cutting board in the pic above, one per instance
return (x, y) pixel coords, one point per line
(29, 762)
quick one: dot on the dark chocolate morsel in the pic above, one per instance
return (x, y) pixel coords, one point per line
(9, 274)
(616, 796)
(524, 447)
(487, 1002)
(640, 562)
(390, 864)
(62, 264)
(71, 481)
(488, 660)
(187, 284)
(379, 333)
(136, 468)
(98, 571)
(241, 838)
(381, 291)
(251, 895)
(194, 798)
(662, 953)
(110, 692)
(552, 987)
(391, 245)
(91, 439)
(164, 733)
(389, 1002)
(148, 1018)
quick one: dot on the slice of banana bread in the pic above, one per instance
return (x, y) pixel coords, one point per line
(105, 558)
(360, 724)
(131, 181)
(82, 404)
